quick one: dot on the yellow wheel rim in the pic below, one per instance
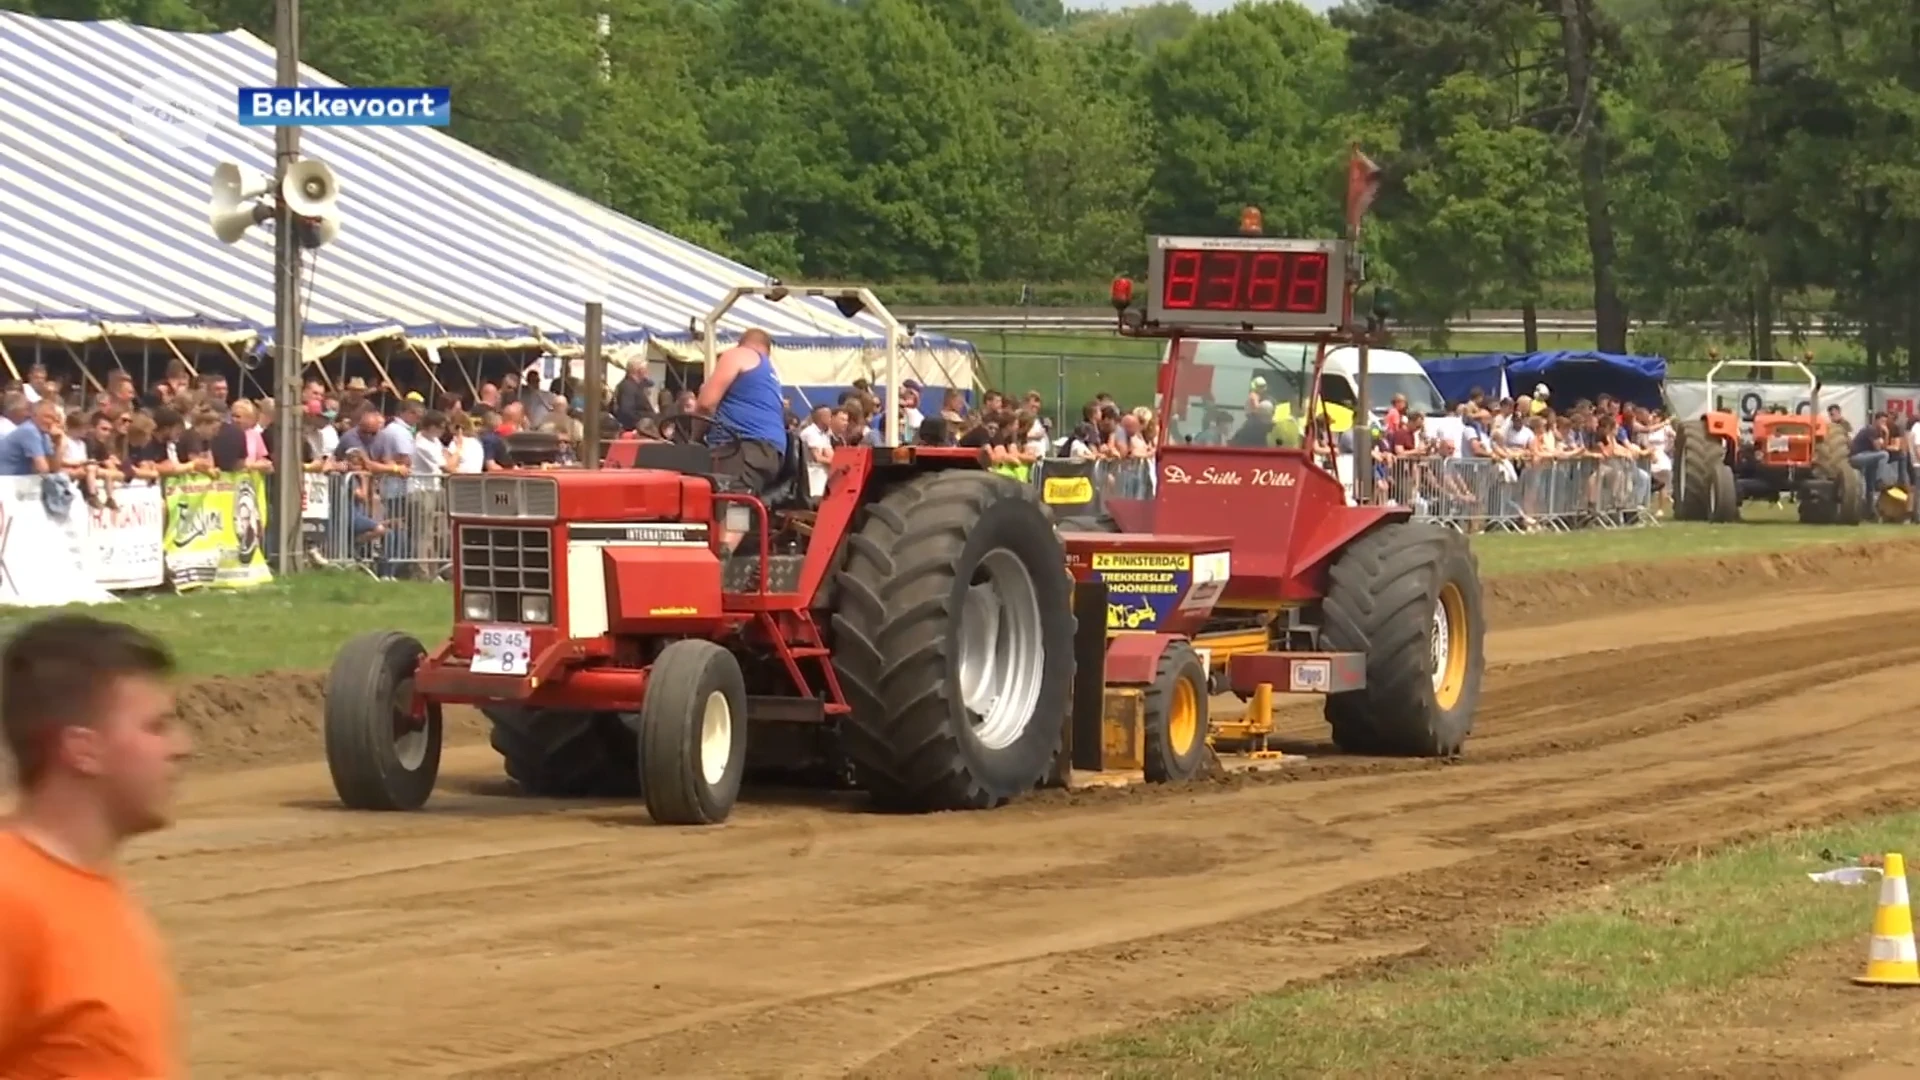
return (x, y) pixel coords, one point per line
(1183, 717)
(1448, 644)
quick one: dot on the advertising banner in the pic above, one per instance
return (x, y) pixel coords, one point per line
(124, 547)
(216, 527)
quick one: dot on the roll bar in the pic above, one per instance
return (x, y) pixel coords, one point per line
(1813, 381)
(859, 298)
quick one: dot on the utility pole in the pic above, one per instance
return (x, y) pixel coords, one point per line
(288, 329)
(595, 391)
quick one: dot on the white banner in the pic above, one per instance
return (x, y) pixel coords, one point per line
(314, 499)
(43, 562)
(1688, 397)
(1901, 401)
(124, 543)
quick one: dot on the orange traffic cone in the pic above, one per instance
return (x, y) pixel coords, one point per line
(1891, 959)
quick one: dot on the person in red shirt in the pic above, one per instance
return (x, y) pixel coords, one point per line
(87, 716)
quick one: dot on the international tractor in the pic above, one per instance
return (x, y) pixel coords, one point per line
(924, 631)
(1721, 462)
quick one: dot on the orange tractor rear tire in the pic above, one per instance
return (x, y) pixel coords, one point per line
(1705, 485)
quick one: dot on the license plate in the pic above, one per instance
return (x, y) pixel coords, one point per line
(1777, 445)
(501, 650)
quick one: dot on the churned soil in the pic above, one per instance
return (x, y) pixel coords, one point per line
(1631, 715)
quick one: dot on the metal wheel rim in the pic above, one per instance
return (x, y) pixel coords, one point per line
(1440, 642)
(1001, 657)
(716, 738)
(409, 738)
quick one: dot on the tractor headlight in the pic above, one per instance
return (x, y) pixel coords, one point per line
(477, 607)
(534, 607)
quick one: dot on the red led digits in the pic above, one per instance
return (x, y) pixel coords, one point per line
(1269, 282)
(1307, 287)
(1263, 284)
(1183, 280)
(1224, 273)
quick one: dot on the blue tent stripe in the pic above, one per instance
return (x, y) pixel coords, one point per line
(440, 240)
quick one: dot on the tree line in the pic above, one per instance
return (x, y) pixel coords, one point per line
(1748, 164)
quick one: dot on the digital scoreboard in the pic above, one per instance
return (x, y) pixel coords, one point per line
(1246, 281)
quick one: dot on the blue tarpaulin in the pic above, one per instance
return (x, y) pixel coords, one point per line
(1457, 377)
(1571, 376)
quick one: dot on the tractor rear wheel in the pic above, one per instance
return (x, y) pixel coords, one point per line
(1176, 716)
(693, 734)
(1407, 597)
(953, 640)
(555, 754)
(1707, 491)
(380, 757)
(1832, 464)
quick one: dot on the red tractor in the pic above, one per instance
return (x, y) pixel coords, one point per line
(922, 632)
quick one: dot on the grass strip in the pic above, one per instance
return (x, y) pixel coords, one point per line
(1640, 952)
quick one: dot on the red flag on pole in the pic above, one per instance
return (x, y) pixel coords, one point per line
(1363, 182)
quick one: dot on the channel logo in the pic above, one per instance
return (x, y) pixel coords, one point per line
(300, 106)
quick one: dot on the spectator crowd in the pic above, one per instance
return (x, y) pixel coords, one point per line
(384, 450)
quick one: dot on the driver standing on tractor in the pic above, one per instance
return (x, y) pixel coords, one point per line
(748, 435)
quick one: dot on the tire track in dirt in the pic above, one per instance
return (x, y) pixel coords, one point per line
(561, 939)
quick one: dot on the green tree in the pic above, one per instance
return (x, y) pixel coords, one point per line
(1246, 111)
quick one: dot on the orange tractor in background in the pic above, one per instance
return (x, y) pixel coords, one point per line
(1721, 461)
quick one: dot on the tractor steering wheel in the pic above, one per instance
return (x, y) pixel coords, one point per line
(685, 427)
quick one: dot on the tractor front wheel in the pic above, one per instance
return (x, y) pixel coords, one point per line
(381, 756)
(953, 640)
(693, 734)
(1407, 597)
(1176, 716)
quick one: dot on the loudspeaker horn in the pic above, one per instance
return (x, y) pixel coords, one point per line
(310, 189)
(231, 209)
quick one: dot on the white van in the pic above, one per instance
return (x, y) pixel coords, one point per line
(1216, 379)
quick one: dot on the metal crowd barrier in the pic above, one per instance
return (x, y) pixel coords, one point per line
(389, 526)
(1471, 494)
(396, 526)
(1477, 494)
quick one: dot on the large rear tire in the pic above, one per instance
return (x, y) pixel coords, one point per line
(693, 734)
(1707, 490)
(1832, 463)
(1407, 596)
(380, 757)
(953, 640)
(554, 754)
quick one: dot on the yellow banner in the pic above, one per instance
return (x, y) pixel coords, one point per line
(216, 531)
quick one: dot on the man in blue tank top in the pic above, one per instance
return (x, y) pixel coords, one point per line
(748, 435)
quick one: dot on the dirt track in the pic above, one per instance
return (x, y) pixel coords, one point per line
(528, 939)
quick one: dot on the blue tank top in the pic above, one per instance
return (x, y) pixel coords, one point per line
(753, 408)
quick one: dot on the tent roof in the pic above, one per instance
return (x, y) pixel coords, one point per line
(105, 228)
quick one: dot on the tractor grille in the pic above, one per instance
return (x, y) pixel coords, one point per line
(503, 497)
(508, 564)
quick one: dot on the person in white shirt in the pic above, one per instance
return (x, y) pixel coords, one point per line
(426, 499)
(465, 453)
(910, 415)
(816, 437)
(14, 412)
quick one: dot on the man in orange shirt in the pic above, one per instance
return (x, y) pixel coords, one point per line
(87, 717)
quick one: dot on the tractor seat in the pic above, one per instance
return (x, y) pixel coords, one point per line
(790, 489)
